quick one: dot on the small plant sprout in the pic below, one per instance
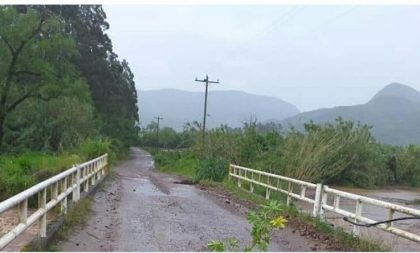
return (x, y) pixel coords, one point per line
(216, 246)
(263, 221)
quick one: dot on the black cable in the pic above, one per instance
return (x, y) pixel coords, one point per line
(380, 222)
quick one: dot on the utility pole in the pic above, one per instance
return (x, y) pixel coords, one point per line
(206, 81)
(157, 131)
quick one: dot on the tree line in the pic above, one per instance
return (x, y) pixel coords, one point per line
(61, 83)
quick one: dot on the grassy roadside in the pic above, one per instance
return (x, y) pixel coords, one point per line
(337, 237)
(20, 171)
(77, 216)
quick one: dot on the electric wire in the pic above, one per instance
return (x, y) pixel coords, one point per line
(379, 222)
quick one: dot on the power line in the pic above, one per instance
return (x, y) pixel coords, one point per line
(313, 33)
(331, 20)
(278, 22)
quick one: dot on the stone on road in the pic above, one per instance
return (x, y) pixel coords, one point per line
(144, 210)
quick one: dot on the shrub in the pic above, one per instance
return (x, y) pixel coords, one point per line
(214, 169)
(93, 148)
(24, 171)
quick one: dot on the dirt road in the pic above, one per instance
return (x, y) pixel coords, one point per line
(144, 210)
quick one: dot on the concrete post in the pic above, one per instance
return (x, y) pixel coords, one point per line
(317, 204)
(358, 213)
(76, 190)
(42, 203)
(64, 202)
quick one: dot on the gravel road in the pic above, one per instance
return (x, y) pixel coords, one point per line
(144, 210)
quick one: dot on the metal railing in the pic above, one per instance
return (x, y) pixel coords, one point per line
(357, 216)
(51, 192)
(275, 182)
(320, 199)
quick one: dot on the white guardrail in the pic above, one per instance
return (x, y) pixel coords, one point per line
(273, 182)
(51, 192)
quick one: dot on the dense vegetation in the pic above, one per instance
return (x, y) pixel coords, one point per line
(64, 94)
(343, 153)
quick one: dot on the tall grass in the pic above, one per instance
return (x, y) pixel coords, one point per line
(21, 171)
(323, 152)
(340, 153)
(178, 163)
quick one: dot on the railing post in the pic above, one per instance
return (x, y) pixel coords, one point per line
(54, 191)
(42, 202)
(99, 172)
(317, 204)
(64, 202)
(337, 202)
(302, 191)
(267, 190)
(104, 164)
(86, 173)
(106, 171)
(267, 193)
(251, 185)
(390, 217)
(358, 213)
(289, 189)
(76, 190)
(239, 180)
(323, 202)
(93, 173)
(23, 211)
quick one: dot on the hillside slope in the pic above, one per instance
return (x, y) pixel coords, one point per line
(227, 107)
(394, 113)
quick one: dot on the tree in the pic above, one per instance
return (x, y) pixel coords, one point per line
(34, 59)
(111, 81)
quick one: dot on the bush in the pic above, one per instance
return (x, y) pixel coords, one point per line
(18, 173)
(214, 169)
(93, 148)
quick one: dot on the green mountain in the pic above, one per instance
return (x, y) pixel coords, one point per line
(394, 113)
(178, 107)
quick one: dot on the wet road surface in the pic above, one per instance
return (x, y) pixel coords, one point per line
(144, 210)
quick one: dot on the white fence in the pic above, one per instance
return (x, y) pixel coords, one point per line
(50, 193)
(322, 193)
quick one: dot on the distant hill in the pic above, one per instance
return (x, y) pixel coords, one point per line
(394, 113)
(227, 107)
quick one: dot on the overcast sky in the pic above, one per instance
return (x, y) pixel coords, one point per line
(310, 56)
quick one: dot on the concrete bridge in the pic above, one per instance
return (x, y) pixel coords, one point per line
(142, 209)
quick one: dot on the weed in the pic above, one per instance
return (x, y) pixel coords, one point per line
(263, 221)
(214, 169)
(173, 162)
(78, 215)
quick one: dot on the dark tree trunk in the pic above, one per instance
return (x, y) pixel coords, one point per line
(1, 134)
